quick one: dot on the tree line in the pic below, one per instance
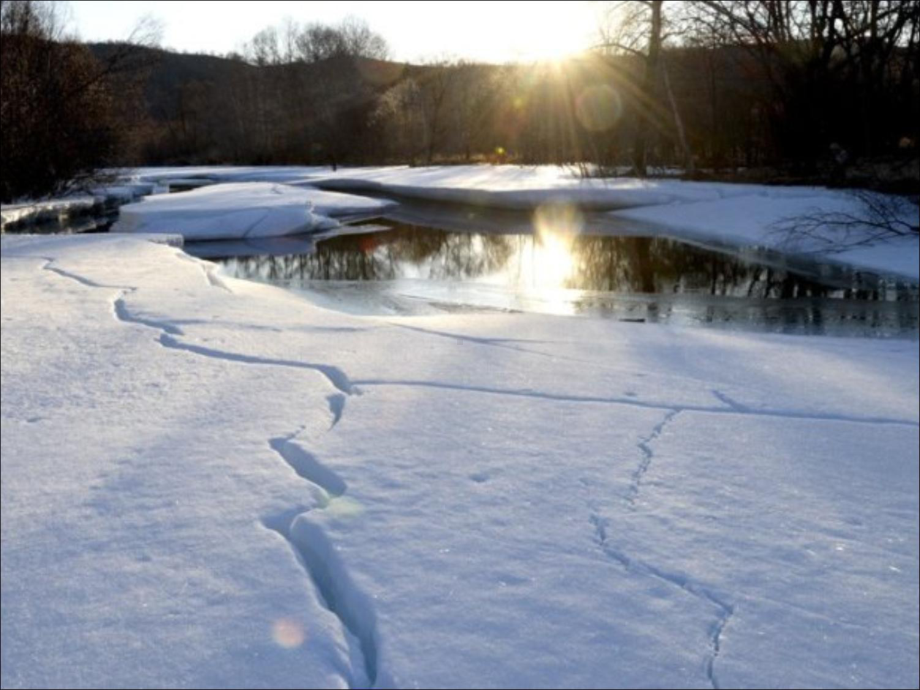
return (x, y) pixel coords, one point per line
(816, 90)
(63, 112)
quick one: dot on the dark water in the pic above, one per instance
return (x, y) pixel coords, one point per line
(394, 266)
(78, 224)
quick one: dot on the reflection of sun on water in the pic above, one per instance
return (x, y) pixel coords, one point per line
(552, 260)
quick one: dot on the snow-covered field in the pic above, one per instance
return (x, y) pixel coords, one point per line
(213, 483)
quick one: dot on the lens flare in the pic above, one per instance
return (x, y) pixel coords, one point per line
(288, 633)
(598, 108)
(344, 507)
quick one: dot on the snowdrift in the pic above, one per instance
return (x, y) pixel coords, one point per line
(241, 210)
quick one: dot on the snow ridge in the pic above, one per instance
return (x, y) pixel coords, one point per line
(208, 269)
(210, 274)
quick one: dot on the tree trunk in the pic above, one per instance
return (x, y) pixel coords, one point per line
(689, 166)
(640, 151)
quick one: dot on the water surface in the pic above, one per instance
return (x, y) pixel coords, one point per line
(478, 260)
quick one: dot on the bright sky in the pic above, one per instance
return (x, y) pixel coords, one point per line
(488, 31)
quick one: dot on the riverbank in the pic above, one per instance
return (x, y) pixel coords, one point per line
(830, 224)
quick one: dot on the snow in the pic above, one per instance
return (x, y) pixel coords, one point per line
(241, 210)
(336, 204)
(504, 186)
(123, 193)
(508, 186)
(215, 483)
(760, 219)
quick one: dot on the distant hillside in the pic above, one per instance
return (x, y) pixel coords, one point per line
(166, 74)
(204, 108)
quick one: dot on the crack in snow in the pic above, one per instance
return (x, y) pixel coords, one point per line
(309, 541)
(122, 314)
(340, 596)
(336, 377)
(725, 610)
(733, 404)
(336, 407)
(632, 402)
(716, 641)
(308, 467)
(322, 564)
(645, 445)
(80, 279)
(503, 343)
(119, 307)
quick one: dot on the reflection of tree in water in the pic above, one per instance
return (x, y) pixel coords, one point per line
(661, 265)
(780, 301)
(388, 255)
(599, 263)
(464, 255)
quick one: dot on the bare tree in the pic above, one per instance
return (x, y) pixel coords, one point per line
(421, 109)
(60, 112)
(835, 66)
(637, 28)
(401, 113)
(309, 97)
(436, 82)
(871, 217)
(350, 38)
(474, 100)
(335, 86)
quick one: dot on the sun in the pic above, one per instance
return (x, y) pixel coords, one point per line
(545, 33)
(555, 55)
